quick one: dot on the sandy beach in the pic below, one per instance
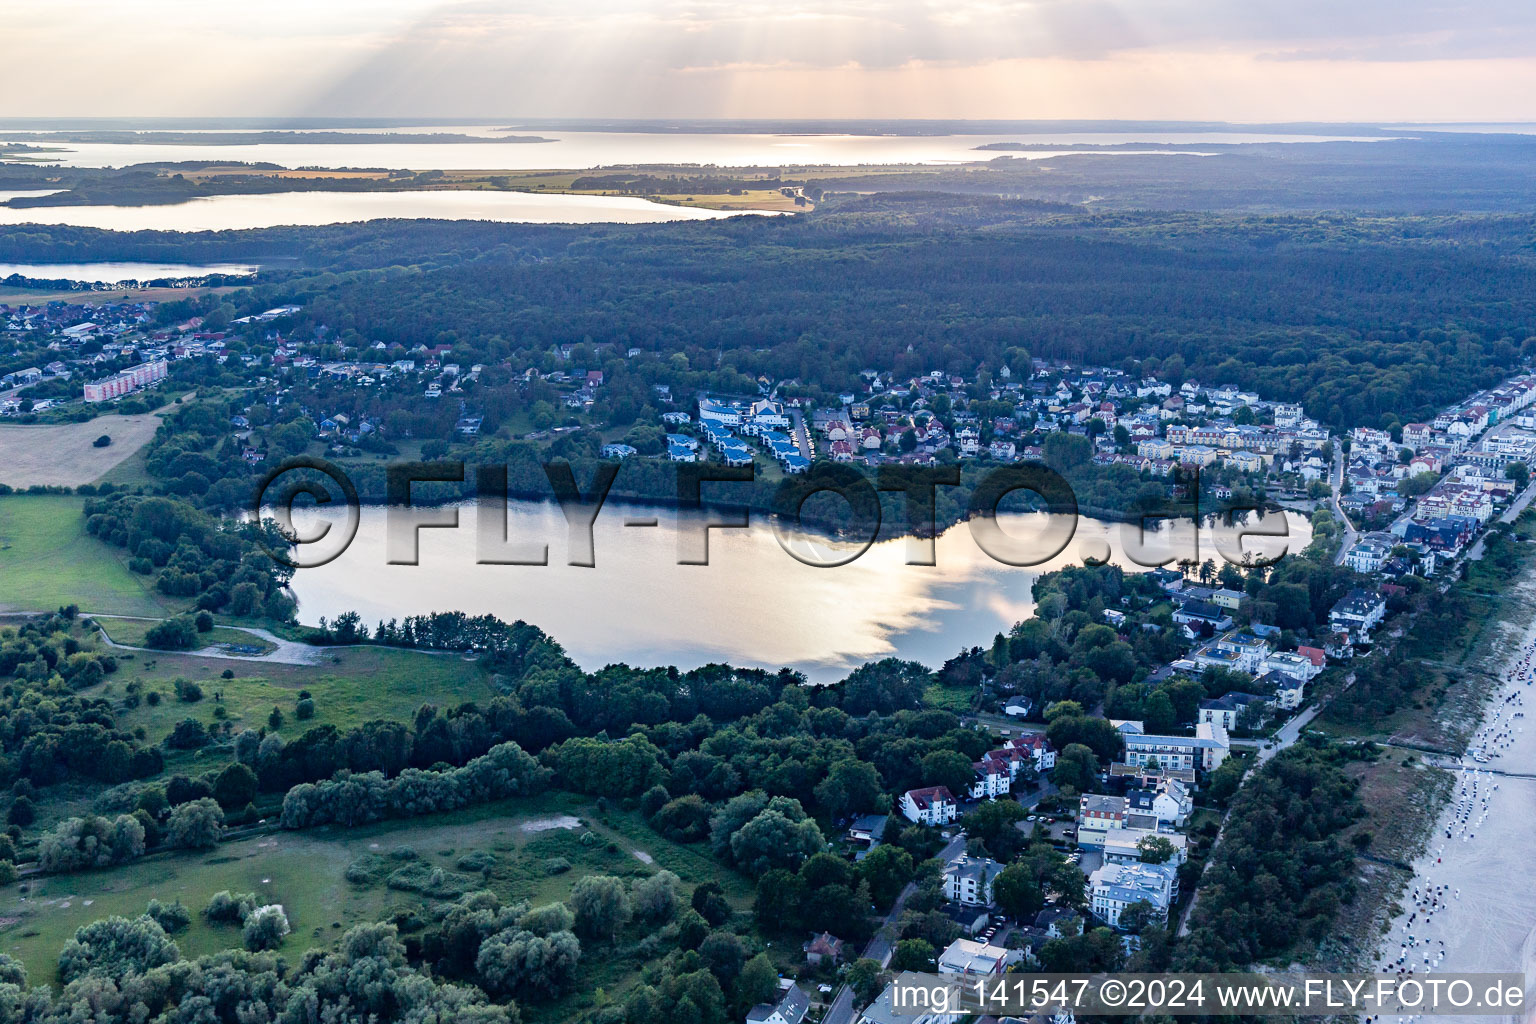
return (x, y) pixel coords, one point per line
(1472, 903)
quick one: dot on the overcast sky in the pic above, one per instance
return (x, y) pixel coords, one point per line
(1236, 60)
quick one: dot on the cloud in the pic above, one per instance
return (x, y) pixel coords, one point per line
(611, 58)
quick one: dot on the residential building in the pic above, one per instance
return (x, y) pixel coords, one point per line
(1039, 749)
(882, 1011)
(1097, 814)
(1123, 845)
(1204, 751)
(793, 1004)
(1228, 600)
(1370, 552)
(1282, 691)
(1059, 922)
(1169, 802)
(1301, 667)
(969, 880)
(931, 805)
(967, 956)
(1114, 887)
(825, 948)
(1357, 613)
(130, 380)
(1229, 709)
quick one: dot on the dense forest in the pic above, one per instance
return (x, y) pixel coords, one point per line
(1362, 320)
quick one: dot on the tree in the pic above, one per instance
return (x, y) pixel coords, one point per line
(197, 825)
(851, 787)
(602, 906)
(914, 955)
(229, 908)
(884, 686)
(724, 955)
(655, 898)
(116, 947)
(1225, 780)
(172, 917)
(886, 870)
(994, 824)
(1137, 917)
(103, 441)
(203, 623)
(172, 635)
(948, 768)
(757, 983)
(1095, 733)
(773, 839)
(189, 734)
(515, 962)
(1065, 452)
(1076, 770)
(776, 907)
(76, 844)
(684, 820)
(1160, 716)
(1155, 849)
(22, 812)
(548, 919)
(864, 977)
(709, 900)
(1017, 893)
(265, 928)
(235, 787)
(244, 599)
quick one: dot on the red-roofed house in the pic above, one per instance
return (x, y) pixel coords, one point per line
(931, 805)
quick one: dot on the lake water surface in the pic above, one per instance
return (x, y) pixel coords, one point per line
(577, 149)
(754, 604)
(114, 273)
(226, 213)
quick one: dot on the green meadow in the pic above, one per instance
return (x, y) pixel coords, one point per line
(307, 872)
(48, 560)
(349, 685)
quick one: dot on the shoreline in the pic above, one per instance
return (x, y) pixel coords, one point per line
(1478, 848)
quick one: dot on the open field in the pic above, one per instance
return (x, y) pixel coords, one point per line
(48, 560)
(306, 872)
(352, 685)
(61, 455)
(38, 296)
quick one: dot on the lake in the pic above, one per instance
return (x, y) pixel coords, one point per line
(227, 213)
(28, 193)
(577, 149)
(754, 604)
(115, 273)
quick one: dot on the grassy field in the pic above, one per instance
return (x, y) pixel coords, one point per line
(351, 686)
(134, 633)
(39, 296)
(48, 560)
(63, 454)
(306, 872)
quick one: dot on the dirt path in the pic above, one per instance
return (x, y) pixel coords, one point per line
(285, 652)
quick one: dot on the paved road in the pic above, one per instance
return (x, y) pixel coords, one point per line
(1336, 483)
(841, 1010)
(1510, 515)
(801, 433)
